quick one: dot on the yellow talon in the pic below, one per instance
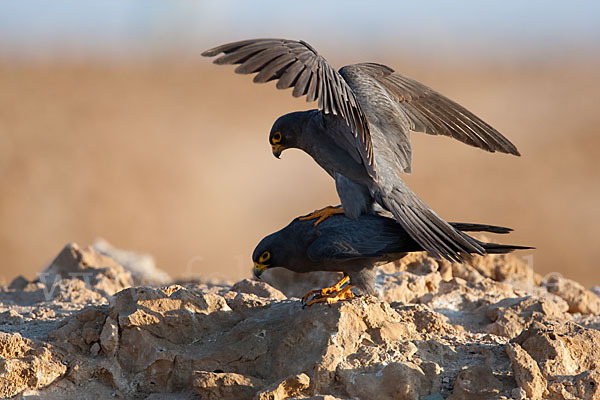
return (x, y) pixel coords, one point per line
(323, 214)
(333, 298)
(330, 294)
(325, 291)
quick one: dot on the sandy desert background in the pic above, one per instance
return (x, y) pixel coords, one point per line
(168, 154)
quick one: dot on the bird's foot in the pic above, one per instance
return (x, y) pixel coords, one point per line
(325, 291)
(332, 292)
(323, 214)
(331, 298)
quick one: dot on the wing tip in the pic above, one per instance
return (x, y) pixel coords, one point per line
(507, 149)
(210, 52)
(511, 150)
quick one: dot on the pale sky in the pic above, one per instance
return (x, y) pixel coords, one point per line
(126, 28)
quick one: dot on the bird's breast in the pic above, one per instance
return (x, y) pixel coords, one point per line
(336, 155)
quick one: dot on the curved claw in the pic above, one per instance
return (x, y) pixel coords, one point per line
(332, 292)
(312, 292)
(332, 298)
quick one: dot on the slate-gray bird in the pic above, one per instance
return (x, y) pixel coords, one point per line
(360, 132)
(352, 246)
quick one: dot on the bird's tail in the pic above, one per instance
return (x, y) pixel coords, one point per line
(467, 227)
(436, 236)
(491, 248)
(495, 248)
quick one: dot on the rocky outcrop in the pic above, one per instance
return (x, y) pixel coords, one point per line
(26, 365)
(490, 329)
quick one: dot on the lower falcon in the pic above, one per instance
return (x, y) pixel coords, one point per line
(352, 246)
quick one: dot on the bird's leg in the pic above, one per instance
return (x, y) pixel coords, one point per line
(344, 294)
(326, 291)
(323, 213)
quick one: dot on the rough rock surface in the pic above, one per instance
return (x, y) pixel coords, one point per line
(490, 329)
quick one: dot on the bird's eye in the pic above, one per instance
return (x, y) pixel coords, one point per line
(264, 257)
(276, 137)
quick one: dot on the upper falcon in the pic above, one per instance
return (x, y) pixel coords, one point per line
(360, 132)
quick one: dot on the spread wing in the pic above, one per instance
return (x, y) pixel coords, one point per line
(296, 64)
(427, 110)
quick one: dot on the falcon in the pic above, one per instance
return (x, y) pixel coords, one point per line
(360, 132)
(352, 246)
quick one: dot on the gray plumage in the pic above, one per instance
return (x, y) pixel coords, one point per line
(352, 246)
(360, 132)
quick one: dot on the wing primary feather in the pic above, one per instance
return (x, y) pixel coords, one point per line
(433, 120)
(259, 60)
(323, 93)
(497, 137)
(229, 47)
(448, 113)
(421, 232)
(469, 245)
(289, 75)
(442, 246)
(332, 90)
(301, 86)
(313, 87)
(241, 54)
(457, 131)
(418, 121)
(273, 69)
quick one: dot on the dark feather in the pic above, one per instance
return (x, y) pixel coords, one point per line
(465, 227)
(297, 64)
(432, 113)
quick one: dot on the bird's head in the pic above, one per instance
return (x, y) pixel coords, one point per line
(265, 256)
(285, 248)
(285, 133)
(276, 250)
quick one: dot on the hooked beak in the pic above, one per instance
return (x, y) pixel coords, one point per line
(258, 269)
(277, 149)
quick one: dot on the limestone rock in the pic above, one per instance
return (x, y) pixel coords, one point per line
(511, 316)
(488, 328)
(109, 336)
(506, 268)
(141, 265)
(224, 385)
(587, 384)
(26, 365)
(467, 272)
(407, 287)
(580, 300)
(526, 371)
(18, 283)
(477, 382)
(81, 331)
(261, 289)
(561, 348)
(99, 272)
(396, 380)
(287, 388)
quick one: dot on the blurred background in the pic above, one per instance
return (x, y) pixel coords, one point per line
(113, 126)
